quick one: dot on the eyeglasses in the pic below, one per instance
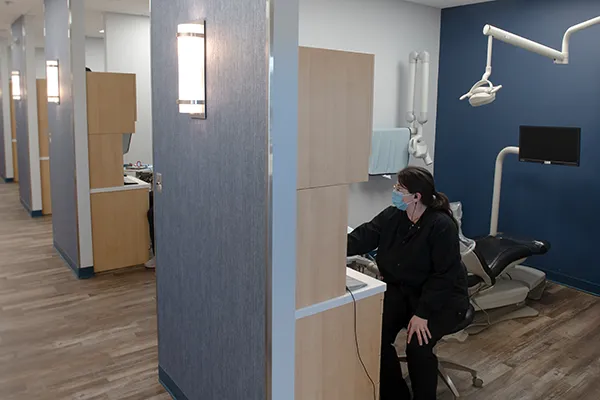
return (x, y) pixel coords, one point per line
(398, 188)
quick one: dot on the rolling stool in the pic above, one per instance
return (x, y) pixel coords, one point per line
(444, 364)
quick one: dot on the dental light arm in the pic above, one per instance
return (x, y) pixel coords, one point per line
(483, 92)
(417, 147)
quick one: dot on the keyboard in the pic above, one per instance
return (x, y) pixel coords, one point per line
(354, 284)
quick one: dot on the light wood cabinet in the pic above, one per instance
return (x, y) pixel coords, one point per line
(327, 364)
(44, 142)
(335, 117)
(321, 244)
(111, 103)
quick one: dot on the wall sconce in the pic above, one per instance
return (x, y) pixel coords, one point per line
(52, 81)
(15, 76)
(191, 50)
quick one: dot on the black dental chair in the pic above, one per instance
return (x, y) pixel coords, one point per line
(501, 252)
(498, 285)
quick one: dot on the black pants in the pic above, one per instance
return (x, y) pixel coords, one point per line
(398, 309)
(150, 215)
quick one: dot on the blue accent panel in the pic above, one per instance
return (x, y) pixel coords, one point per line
(170, 385)
(36, 214)
(555, 203)
(585, 286)
(8, 180)
(85, 273)
(81, 273)
(32, 213)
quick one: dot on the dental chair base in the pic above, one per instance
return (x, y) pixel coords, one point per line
(485, 319)
(533, 278)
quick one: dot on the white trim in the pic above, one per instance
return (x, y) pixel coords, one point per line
(32, 114)
(373, 287)
(82, 165)
(282, 145)
(135, 184)
(5, 88)
(44, 158)
(13, 140)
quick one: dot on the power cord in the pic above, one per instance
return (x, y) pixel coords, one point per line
(358, 347)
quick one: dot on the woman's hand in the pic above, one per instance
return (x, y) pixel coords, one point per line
(418, 326)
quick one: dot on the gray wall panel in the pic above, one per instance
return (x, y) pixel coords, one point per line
(2, 147)
(60, 125)
(18, 64)
(211, 218)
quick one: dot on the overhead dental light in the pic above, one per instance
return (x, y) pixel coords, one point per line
(484, 92)
(417, 147)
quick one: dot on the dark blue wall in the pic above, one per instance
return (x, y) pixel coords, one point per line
(556, 203)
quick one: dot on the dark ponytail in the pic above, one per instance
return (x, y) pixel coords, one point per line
(420, 180)
(441, 203)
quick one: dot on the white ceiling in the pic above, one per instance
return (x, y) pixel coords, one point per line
(447, 3)
(12, 9)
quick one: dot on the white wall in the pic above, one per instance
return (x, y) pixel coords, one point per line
(390, 29)
(127, 40)
(95, 57)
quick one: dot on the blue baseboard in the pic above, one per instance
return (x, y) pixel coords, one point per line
(169, 385)
(80, 273)
(33, 214)
(8, 180)
(575, 283)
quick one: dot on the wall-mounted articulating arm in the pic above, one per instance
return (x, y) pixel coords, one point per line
(483, 92)
(417, 146)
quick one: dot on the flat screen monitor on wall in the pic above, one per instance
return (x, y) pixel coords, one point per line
(550, 145)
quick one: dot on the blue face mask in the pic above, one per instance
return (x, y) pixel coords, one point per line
(398, 201)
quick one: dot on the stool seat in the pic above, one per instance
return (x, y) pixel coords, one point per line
(467, 320)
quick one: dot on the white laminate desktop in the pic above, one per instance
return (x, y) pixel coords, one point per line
(131, 183)
(372, 288)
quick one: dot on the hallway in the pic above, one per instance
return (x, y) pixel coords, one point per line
(62, 338)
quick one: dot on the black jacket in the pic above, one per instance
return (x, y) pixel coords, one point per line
(422, 259)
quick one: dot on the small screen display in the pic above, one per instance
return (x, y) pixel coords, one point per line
(550, 145)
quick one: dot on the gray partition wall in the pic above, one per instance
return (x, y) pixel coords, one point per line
(60, 125)
(6, 160)
(220, 335)
(3, 75)
(22, 128)
(67, 126)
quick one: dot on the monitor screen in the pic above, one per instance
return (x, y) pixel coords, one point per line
(549, 145)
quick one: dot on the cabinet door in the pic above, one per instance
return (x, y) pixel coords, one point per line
(335, 117)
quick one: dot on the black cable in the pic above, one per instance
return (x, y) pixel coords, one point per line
(358, 347)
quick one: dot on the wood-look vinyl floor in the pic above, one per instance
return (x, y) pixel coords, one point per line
(63, 338)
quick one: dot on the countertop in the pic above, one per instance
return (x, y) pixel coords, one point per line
(131, 183)
(373, 287)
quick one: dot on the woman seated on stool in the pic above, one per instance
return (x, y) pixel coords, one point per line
(418, 256)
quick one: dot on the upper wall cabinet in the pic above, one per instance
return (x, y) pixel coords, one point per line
(111, 103)
(335, 117)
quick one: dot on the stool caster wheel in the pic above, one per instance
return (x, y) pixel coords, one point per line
(477, 382)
